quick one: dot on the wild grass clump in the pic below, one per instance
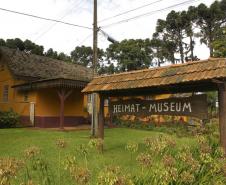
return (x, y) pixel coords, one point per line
(9, 169)
(164, 163)
(159, 159)
(114, 175)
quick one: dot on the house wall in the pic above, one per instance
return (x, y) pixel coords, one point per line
(16, 100)
(47, 105)
(48, 108)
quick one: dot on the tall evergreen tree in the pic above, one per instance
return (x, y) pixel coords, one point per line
(210, 20)
(174, 29)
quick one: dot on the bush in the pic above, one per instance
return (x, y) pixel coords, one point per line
(176, 128)
(8, 119)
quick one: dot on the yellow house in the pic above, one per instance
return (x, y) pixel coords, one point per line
(45, 92)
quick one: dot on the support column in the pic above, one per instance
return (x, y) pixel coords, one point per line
(222, 114)
(101, 117)
(94, 124)
(63, 96)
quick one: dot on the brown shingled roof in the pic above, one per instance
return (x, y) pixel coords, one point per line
(34, 67)
(213, 68)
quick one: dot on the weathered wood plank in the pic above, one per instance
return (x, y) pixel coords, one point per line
(195, 106)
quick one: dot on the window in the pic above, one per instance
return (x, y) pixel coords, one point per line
(5, 93)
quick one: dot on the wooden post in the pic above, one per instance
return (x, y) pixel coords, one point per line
(222, 114)
(101, 117)
(63, 96)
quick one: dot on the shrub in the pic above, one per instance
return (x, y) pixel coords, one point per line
(8, 119)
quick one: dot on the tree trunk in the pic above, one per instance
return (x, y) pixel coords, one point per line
(191, 48)
(181, 50)
(210, 41)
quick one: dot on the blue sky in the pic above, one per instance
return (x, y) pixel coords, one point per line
(66, 38)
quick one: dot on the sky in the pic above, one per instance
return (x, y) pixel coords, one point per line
(64, 38)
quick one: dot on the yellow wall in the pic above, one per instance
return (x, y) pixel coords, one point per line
(49, 103)
(15, 99)
(46, 101)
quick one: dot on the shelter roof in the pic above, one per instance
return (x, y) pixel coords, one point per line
(199, 72)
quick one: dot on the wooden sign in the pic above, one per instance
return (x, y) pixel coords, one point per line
(194, 106)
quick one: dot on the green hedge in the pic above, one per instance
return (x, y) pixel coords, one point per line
(8, 119)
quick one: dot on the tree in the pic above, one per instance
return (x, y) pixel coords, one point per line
(191, 17)
(158, 51)
(64, 57)
(163, 49)
(83, 55)
(15, 43)
(111, 69)
(33, 48)
(219, 44)
(209, 20)
(52, 54)
(174, 30)
(130, 54)
(2, 42)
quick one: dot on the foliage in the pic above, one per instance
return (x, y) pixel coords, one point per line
(8, 119)
(111, 69)
(174, 28)
(163, 49)
(209, 20)
(177, 128)
(84, 55)
(219, 44)
(130, 54)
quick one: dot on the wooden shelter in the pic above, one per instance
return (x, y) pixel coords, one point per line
(52, 86)
(200, 76)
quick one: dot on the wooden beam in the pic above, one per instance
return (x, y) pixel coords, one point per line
(203, 86)
(217, 81)
(222, 114)
(63, 96)
(101, 118)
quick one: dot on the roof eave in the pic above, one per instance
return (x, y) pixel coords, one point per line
(51, 83)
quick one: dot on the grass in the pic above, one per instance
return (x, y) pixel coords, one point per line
(15, 141)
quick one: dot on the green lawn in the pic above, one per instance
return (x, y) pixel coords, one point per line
(15, 141)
